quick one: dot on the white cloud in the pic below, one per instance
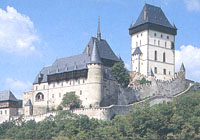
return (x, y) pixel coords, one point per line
(17, 86)
(190, 56)
(193, 5)
(17, 33)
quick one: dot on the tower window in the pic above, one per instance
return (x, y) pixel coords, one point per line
(137, 36)
(154, 42)
(154, 34)
(80, 92)
(165, 44)
(59, 94)
(164, 71)
(163, 57)
(44, 87)
(167, 37)
(140, 42)
(155, 70)
(155, 56)
(39, 97)
(141, 34)
(172, 45)
(158, 42)
(161, 36)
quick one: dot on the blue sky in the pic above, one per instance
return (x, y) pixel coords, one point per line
(33, 33)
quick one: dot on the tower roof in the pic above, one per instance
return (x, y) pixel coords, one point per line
(137, 51)
(151, 16)
(28, 103)
(7, 96)
(95, 58)
(182, 67)
(151, 73)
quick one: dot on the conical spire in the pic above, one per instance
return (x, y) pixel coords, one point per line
(151, 73)
(99, 30)
(182, 67)
(95, 58)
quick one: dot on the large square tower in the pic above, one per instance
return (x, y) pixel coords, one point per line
(152, 44)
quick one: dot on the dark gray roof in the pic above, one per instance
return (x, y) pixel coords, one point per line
(137, 51)
(28, 103)
(151, 73)
(95, 58)
(182, 67)
(7, 96)
(153, 15)
(77, 62)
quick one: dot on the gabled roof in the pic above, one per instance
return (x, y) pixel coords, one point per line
(153, 15)
(137, 51)
(7, 96)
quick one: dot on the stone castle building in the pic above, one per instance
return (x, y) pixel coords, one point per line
(89, 76)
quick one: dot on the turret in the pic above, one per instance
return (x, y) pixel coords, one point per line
(136, 59)
(28, 108)
(95, 78)
(182, 68)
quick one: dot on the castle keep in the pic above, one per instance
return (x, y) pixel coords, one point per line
(89, 75)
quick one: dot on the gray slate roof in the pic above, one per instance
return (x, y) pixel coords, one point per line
(78, 62)
(137, 51)
(7, 96)
(95, 58)
(28, 103)
(154, 15)
(182, 67)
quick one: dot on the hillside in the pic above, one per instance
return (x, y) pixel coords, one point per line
(179, 120)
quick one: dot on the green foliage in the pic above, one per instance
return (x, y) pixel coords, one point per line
(121, 74)
(71, 100)
(179, 120)
(59, 108)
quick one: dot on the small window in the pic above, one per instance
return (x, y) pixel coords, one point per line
(161, 36)
(59, 94)
(83, 81)
(155, 70)
(154, 34)
(154, 42)
(140, 42)
(141, 34)
(169, 73)
(44, 87)
(36, 88)
(158, 42)
(137, 36)
(70, 83)
(54, 85)
(165, 44)
(172, 45)
(78, 81)
(167, 37)
(5, 111)
(80, 92)
(163, 57)
(62, 84)
(73, 82)
(155, 55)
(164, 71)
(52, 95)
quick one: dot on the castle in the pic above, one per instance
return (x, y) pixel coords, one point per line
(89, 75)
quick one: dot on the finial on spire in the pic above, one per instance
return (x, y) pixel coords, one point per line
(99, 30)
(182, 67)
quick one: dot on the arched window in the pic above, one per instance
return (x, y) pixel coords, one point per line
(155, 55)
(155, 70)
(39, 96)
(163, 57)
(164, 71)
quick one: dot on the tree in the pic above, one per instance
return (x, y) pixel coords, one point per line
(121, 73)
(71, 100)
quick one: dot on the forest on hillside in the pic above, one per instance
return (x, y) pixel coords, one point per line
(178, 120)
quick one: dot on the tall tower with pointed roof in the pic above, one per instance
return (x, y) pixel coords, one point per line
(152, 43)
